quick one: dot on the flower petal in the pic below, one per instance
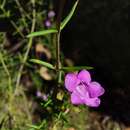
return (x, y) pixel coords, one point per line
(95, 89)
(82, 91)
(75, 98)
(92, 102)
(84, 76)
(71, 81)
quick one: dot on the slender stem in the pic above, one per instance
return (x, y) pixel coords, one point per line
(28, 48)
(9, 80)
(58, 62)
(23, 12)
(7, 72)
(13, 23)
(4, 65)
(58, 21)
(3, 4)
(10, 89)
(17, 29)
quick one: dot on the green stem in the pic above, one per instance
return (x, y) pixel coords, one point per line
(10, 91)
(17, 29)
(23, 12)
(13, 23)
(58, 62)
(28, 48)
(3, 4)
(7, 72)
(58, 22)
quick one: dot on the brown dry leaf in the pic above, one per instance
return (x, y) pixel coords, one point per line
(43, 49)
(71, 128)
(45, 74)
(127, 128)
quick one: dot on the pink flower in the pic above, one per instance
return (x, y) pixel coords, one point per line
(83, 90)
(39, 94)
(51, 14)
(48, 23)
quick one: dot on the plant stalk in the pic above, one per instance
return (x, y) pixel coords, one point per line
(58, 22)
(28, 47)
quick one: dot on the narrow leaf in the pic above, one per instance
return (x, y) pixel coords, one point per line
(41, 33)
(47, 103)
(46, 64)
(33, 126)
(76, 68)
(54, 30)
(67, 19)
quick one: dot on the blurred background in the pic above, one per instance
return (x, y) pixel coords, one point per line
(96, 36)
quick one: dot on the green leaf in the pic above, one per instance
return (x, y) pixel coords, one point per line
(67, 19)
(36, 79)
(41, 33)
(46, 64)
(48, 103)
(76, 68)
(33, 126)
(54, 30)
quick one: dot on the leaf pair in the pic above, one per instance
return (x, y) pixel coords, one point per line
(54, 30)
(50, 66)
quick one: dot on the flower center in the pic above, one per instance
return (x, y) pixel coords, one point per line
(82, 90)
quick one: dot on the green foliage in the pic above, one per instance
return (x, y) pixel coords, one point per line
(21, 78)
(76, 68)
(67, 19)
(54, 30)
(46, 64)
(42, 33)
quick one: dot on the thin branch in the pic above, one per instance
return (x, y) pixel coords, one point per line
(13, 23)
(28, 48)
(23, 12)
(17, 29)
(8, 74)
(58, 22)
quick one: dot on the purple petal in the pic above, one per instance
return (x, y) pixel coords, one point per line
(51, 14)
(92, 102)
(44, 97)
(38, 94)
(71, 81)
(82, 91)
(48, 23)
(84, 76)
(75, 98)
(95, 89)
